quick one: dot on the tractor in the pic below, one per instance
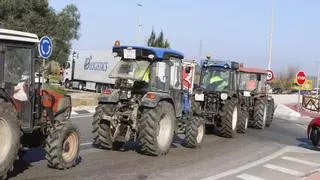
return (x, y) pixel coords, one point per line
(148, 104)
(31, 116)
(216, 97)
(257, 106)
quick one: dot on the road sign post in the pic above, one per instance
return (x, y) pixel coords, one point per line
(270, 77)
(300, 79)
(45, 51)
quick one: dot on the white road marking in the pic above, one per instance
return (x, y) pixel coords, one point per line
(300, 161)
(249, 165)
(85, 144)
(284, 170)
(249, 177)
(302, 126)
(81, 116)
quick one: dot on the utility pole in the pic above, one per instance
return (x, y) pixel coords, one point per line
(139, 25)
(200, 50)
(270, 34)
(318, 74)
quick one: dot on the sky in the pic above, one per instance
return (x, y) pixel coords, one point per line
(228, 29)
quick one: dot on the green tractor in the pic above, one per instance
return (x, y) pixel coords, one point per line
(148, 104)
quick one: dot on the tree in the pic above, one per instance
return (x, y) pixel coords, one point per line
(37, 17)
(159, 41)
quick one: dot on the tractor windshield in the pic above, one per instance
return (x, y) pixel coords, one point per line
(131, 69)
(215, 78)
(249, 82)
(17, 66)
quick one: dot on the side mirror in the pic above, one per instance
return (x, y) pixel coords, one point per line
(187, 70)
(258, 77)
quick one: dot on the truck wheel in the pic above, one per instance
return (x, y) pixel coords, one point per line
(156, 129)
(101, 129)
(195, 129)
(81, 86)
(228, 126)
(243, 121)
(9, 137)
(260, 114)
(67, 84)
(314, 136)
(270, 113)
(62, 146)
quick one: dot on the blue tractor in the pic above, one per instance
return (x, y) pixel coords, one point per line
(216, 96)
(148, 104)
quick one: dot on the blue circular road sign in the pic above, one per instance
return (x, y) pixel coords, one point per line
(45, 47)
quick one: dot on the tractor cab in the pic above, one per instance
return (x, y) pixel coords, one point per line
(150, 72)
(17, 67)
(252, 80)
(218, 76)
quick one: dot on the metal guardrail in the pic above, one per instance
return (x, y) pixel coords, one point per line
(311, 102)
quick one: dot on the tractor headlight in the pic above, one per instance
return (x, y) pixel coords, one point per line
(224, 96)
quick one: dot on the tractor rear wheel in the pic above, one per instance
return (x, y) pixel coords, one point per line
(228, 125)
(270, 113)
(156, 129)
(260, 114)
(243, 121)
(195, 130)
(9, 137)
(62, 146)
(102, 132)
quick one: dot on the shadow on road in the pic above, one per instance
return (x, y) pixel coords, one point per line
(305, 143)
(25, 160)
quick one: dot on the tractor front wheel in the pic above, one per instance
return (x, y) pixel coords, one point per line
(315, 135)
(228, 125)
(243, 121)
(9, 138)
(195, 130)
(62, 146)
(260, 114)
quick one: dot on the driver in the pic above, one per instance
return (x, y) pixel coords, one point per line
(144, 73)
(219, 81)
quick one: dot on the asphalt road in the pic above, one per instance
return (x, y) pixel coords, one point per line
(278, 152)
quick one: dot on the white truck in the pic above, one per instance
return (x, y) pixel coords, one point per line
(89, 70)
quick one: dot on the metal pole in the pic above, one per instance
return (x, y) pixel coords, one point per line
(43, 74)
(270, 35)
(317, 93)
(139, 26)
(299, 98)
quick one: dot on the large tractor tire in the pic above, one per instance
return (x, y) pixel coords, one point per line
(260, 114)
(243, 119)
(102, 131)
(315, 135)
(62, 146)
(229, 120)
(195, 130)
(156, 129)
(270, 112)
(9, 138)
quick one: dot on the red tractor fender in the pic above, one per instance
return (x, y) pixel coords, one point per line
(314, 122)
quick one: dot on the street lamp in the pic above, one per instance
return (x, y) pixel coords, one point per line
(139, 25)
(270, 34)
(318, 70)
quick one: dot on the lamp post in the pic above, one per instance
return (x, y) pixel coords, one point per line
(270, 35)
(318, 74)
(139, 26)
